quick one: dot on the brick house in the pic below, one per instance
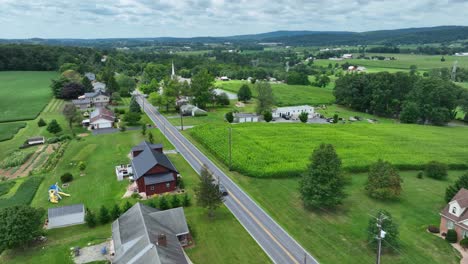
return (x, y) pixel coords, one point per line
(455, 215)
(153, 172)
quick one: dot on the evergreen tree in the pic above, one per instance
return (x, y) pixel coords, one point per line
(104, 216)
(267, 116)
(150, 137)
(208, 194)
(163, 203)
(383, 181)
(54, 127)
(143, 129)
(115, 212)
(41, 123)
(127, 205)
(244, 94)
(88, 86)
(229, 117)
(323, 183)
(460, 183)
(303, 117)
(175, 201)
(90, 218)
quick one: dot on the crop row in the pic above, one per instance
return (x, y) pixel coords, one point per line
(24, 194)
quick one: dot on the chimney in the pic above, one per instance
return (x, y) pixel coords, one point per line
(162, 240)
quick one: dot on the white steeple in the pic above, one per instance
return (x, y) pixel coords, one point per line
(173, 76)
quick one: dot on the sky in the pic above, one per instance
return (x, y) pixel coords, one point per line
(189, 18)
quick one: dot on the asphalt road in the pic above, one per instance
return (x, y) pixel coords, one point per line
(275, 241)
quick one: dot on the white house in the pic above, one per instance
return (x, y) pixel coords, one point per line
(244, 118)
(347, 56)
(101, 118)
(97, 99)
(293, 111)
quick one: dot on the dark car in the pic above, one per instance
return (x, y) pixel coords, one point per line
(223, 190)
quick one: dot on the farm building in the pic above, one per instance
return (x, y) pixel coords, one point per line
(153, 172)
(147, 235)
(35, 141)
(455, 215)
(65, 216)
(101, 118)
(293, 111)
(244, 118)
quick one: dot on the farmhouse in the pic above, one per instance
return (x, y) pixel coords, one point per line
(153, 172)
(244, 118)
(146, 235)
(65, 216)
(101, 118)
(293, 111)
(455, 215)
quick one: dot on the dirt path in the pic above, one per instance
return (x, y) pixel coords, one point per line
(25, 168)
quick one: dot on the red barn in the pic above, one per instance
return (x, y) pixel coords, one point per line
(153, 172)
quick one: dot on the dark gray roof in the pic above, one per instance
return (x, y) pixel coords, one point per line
(65, 216)
(245, 115)
(148, 159)
(174, 218)
(144, 143)
(159, 178)
(135, 236)
(81, 101)
(94, 94)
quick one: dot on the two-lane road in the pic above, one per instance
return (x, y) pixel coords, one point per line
(274, 240)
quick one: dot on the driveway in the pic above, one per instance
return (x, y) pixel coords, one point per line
(93, 253)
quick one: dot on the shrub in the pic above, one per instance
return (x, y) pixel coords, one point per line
(66, 177)
(41, 123)
(433, 229)
(163, 203)
(52, 140)
(186, 200)
(420, 175)
(175, 202)
(451, 236)
(127, 205)
(180, 183)
(464, 242)
(64, 137)
(81, 165)
(436, 170)
(136, 196)
(267, 116)
(115, 212)
(229, 117)
(122, 128)
(90, 218)
(104, 216)
(303, 117)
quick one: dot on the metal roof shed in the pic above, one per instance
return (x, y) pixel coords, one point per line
(66, 216)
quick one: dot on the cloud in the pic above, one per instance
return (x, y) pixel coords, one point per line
(186, 18)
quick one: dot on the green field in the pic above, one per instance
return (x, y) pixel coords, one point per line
(8, 130)
(24, 94)
(282, 150)
(287, 94)
(24, 194)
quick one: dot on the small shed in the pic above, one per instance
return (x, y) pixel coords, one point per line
(36, 141)
(66, 216)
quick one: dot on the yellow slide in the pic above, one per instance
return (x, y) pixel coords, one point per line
(64, 194)
(52, 197)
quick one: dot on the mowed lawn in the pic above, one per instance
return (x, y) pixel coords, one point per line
(24, 94)
(8, 130)
(283, 150)
(287, 94)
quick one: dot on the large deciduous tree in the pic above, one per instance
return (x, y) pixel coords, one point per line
(323, 183)
(265, 97)
(208, 194)
(72, 90)
(202, 88)
(57, 86)
(383, 181)
(88, 86)
(460, 183)
(19, 225)
(126, 84)
(155, 71)
(70, 113)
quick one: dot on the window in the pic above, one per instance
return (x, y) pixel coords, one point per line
(454, 210)
(464, 233)
(449, 224)
(152, 188)
(168, 185)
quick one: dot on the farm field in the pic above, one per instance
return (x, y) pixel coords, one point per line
(287, 94)
(105, 151)
(403, 61)
(282, 150)
(27, 93)
(8, 130)
(346, 113)
(340, 236)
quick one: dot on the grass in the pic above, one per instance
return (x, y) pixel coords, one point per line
(339, 236)
(8, 130)
(287, 94)
(282, 150)
(27, 93)
(330, 110)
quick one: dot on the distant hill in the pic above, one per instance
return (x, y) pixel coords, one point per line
(441, 34)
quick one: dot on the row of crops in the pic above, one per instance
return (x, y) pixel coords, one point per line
(24, 194)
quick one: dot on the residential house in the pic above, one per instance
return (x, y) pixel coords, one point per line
(97, 99)
(99, 86)
(245, 117)
(153, 172)
(191, 110)
(91, 76)
(347, 56)
(147, 235)
(82, 103)
(65, 216)
(455, 215)
(101, 118)
(293, 111)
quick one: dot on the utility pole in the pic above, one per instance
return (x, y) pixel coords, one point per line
(181, 121)
(380, 236)
(230, 148)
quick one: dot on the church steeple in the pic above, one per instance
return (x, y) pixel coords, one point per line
(173, 76)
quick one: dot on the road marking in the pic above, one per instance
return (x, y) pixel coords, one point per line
(233, 196)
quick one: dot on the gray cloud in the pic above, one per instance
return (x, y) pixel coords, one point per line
(185, 18)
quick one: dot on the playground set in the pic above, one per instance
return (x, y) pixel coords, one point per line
(55, 193)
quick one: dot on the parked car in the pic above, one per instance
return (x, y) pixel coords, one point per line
(223, 190)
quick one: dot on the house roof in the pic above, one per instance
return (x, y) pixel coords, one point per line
(462, 199)
(81, 101)
(35, 138)
(91, 76)
(294, 108)
(142, 145)
(65, 216)
(245, 115)
(135, 235)
(159, 178)
(94, 94)
(103, 113)
(149, 158)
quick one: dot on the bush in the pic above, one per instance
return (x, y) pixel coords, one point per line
(163, 203)
(64, 137)
(53, 140)
(186, 200)
(115, 212)
(420, 175)
(267, 116)
(66, 177)
(41, 123)
(180, 183)
(229, 117)
(127, 205)
(436, 170)
(136, 196)
(464, 242)
(175, 202)
(122, 128)
(451, 236)
(104, 216)
(433, 229)
(90, 218)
